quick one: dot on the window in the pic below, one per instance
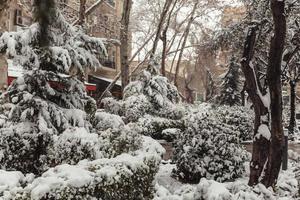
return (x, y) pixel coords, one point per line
(18, 17)
(109, 61)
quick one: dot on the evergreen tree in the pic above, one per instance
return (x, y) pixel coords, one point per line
(48, 99)
(230, 87)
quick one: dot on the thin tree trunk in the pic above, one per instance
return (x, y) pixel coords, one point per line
(127, 4)
(162, 19)
(274, 82)
(174, 57)
(82, 12)
(243, 95)
(164, 41)
(186, 33)
(292, 121)
(90, 10)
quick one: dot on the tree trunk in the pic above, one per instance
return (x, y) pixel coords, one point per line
(260, 148)
(127, 4)
(163, 59)
(274, 82)
(189, 95)
(186, 34)
(243, 96)
(82, 12)
(292, 121)
(267, 154)
(88, 11)
(163, 16)
(164, 41)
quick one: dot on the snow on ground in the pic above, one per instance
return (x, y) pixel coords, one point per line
(168, 188)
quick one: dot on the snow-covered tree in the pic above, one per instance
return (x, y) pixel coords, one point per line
(230, 93)
(150, 102)
(50, 97)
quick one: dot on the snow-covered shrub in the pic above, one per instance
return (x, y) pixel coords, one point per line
(170, 134)
(151, 94)
(151, 103)
(112, 106)
(159, 128)
(103, 121)
(136, 107)
(77, 144)
(73, 145)
(208, 148)
(23, 147)
(114, 142)
(157, 88)
(240, 118)
(127, 176)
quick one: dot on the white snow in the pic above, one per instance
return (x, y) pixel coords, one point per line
(9, 180)
(263, 131)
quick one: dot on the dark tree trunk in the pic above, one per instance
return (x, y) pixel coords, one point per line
(243, 96)
(292, 121)
(267, 155)
(189, 95)
(82, 12)
(260, 145)
(127, 4)
(274, 82)
(164, 53)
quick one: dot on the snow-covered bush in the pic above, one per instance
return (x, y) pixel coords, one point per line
(240, 118)
(157, 88)
(77, 144)
(23, 148)
(127, 176)
(73, 145)
(112, 106)
(151, 103)
(114, 142)
(151, 94)
(103, 121)
(159, 128)
(208, 148)
(136, 107)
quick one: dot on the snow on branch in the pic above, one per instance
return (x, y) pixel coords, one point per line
(69, 47)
